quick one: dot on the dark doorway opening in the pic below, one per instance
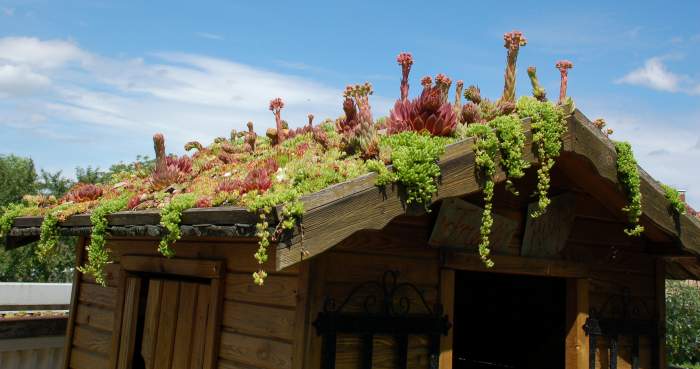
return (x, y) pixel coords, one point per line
(509, 321)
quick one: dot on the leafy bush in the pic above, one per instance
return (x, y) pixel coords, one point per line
(682, 322)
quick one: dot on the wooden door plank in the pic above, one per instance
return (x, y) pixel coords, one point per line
(151, 320)
(166, 325)
(185, 325)
(577, 305)
(447, 299)
(201, 316)
(129, 322)
(79, 258)
(212, 338)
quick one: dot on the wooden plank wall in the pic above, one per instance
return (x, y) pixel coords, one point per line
(616, 262)
(365, 256)
(258, 325)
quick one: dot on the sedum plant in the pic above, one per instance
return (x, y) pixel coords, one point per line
(547, 122)
(628, 173)
(674, 198)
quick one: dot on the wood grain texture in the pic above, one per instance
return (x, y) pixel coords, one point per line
(74, 298)
(577, 307)
(96, 317)
(130, 317)
(201, 316)
(183, 349)
(302, 322)
(546, 235)
(82, 359)
(167, 324)
(458, 226)
(93, 340)
(517, 265)
(94, 294)
(150, 323)
(259, 320)
(277, 290)
(257, 352)
(177, 266)
(447, 299)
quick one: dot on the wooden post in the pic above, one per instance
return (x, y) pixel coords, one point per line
(576, 315)
(661, 310)
(447, 299)
(79, 258)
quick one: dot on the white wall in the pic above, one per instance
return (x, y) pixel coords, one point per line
(24, 294)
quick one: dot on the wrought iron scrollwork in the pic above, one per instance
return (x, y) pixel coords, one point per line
(386, 309)
(622, 315)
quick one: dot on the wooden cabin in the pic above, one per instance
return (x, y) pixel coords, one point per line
(372, 283)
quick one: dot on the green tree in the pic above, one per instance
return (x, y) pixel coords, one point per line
(91, 175)
(54, 183)
(683, 322)
(17, 178)
(22, 265)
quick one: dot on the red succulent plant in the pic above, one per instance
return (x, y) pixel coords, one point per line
(83, 192)
(359, 135)
(430, 112)
(169, 169)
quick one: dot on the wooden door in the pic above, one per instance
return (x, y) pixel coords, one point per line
(174, 325)
(170, 314)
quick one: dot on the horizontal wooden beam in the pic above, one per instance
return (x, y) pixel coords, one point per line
(33, 327)
(225, 215)
(197, 268)
(516, 265)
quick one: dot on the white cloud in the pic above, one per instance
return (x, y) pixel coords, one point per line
(185, 96)
(20, 80)
(655, 75)
(661, 149)
(211, 36)
(40, 54)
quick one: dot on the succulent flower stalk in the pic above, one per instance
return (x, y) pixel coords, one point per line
(250, 138)
(426, 82)
(405, 60)
(537, 90)
(459, 86)
(443, 83)
(159, 148)
(513, 41)
(276, 106)
(473, 94)
(563, 66)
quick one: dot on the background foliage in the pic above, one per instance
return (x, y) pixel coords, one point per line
(683, 321)
(18, 177)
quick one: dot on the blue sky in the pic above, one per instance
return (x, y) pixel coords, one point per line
(88, 82)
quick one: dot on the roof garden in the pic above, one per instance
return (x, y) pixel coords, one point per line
(261, 185)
